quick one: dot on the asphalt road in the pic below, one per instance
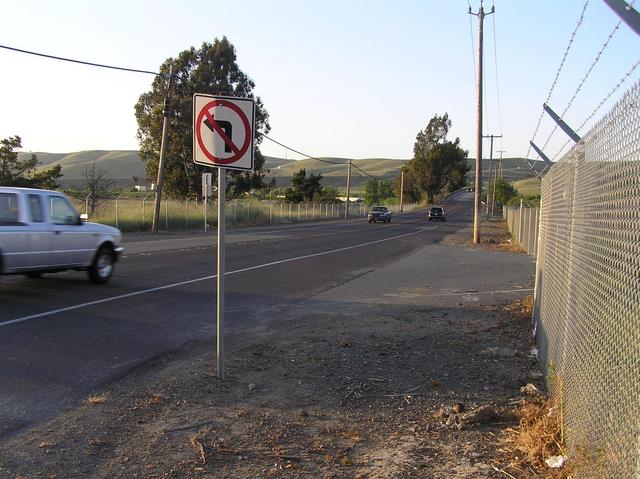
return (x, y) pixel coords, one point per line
(63, 338)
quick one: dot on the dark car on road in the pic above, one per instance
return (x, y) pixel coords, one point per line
(436, 213)
(379, 213)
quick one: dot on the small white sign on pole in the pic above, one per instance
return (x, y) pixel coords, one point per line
(223, 134)
(206, 185)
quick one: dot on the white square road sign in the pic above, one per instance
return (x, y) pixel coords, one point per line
(223, 131)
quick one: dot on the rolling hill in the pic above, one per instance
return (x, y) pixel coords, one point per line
(122, 165)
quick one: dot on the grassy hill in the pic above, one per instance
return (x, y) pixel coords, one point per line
(335, 172)
(122, 165)
(529, 187)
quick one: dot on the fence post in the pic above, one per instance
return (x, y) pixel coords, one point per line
(144, 209)
(289, 217)
(166, 214)
(270, 212)
(536, 229)
(235, 212)
(298, 211)
(248, 212)
(520, 224)
(117, 211)
(186, 214)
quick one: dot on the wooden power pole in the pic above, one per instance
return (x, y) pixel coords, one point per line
(167, 113)
(478, 183)
(346, 208)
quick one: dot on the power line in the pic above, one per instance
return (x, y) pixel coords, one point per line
(315, 158)
(93, 64)
(299, 152)
(362, 171)
(473, 48)
(555, 80)
(495, 59)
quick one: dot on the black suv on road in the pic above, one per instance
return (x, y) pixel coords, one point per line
(436, 213)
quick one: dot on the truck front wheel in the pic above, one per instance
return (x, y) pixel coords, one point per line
(101, 269)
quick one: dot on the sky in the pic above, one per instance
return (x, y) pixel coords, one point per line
(353, 79)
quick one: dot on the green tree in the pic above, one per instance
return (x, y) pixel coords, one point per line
(328, 194)
(211, 69)
(378, 191)
(16, 172)
(412, 193)
(438, 165)
(371, 188)
(303, 187)
(505, 191)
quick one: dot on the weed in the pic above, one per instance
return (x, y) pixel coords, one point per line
(97, 398)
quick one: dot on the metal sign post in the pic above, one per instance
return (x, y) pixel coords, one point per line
(222, 187)
(206, 192)
(223, 137)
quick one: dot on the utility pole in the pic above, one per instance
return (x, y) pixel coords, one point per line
(490, 162)
(495, 178)
(167, 113)
(346, 209)
(401, 191)
(478, 183)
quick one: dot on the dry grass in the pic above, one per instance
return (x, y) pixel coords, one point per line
(197, 445)
(521, 309)
(537, 438)
(97, 399)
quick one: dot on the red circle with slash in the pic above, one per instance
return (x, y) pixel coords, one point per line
(205, 115)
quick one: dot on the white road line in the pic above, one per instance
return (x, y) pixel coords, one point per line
(196, 280)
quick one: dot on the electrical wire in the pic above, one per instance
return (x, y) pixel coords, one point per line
(134, 70)
(315, 158)
(495, 59)
(362, 171)
(299, 152)
(473, 47)
(54, 57)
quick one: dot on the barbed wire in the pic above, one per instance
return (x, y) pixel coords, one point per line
(558, 71)
(584, 79)
(597, 108)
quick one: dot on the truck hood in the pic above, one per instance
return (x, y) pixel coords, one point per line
(103, 229)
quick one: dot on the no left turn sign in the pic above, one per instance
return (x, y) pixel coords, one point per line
(223, 131)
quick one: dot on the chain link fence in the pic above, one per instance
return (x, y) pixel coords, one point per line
(135, 213)
(587, 297)
(523, 223)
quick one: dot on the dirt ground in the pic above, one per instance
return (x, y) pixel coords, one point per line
(403, 393)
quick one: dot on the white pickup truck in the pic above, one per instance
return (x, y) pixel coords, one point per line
(41, 232)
